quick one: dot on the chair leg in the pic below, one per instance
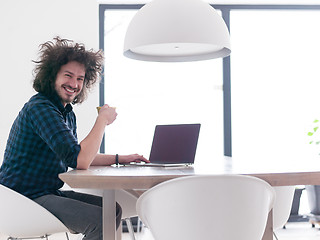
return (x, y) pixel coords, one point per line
(130, 228)
(138, 225)
(274, 234)
(67, 236)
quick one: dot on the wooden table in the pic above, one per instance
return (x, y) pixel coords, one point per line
(109, 178)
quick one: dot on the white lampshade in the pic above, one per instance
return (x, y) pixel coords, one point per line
(177, 31)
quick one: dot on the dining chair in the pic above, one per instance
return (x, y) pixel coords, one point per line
(204, 207)
(282, 206)
(20, 217)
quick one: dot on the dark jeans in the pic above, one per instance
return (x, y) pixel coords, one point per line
(79, 212)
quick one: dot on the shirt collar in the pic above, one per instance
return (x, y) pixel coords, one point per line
(57, 101)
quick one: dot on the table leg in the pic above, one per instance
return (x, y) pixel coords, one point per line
(268, 233)
(109, 215)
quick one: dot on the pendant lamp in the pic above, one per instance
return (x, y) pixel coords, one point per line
(177, 31)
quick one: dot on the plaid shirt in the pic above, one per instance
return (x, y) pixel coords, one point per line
(42, 143)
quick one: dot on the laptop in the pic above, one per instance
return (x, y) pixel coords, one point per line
(173, 145)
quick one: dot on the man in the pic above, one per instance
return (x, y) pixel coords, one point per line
(43, 139)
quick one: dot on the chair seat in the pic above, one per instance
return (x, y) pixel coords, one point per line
(23, 218)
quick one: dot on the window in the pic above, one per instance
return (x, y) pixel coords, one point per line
(274, 86)
(151, 93)
(275, 83)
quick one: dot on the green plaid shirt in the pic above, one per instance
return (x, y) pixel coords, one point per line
(42, 144)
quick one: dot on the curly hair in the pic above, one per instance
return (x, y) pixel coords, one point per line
(55, 54)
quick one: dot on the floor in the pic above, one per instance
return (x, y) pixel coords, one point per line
(299, 231)
(293, 231)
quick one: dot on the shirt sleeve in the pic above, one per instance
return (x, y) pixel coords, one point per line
(48, 122)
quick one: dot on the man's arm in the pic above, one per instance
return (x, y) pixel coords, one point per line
(90, 145)
(103, 159)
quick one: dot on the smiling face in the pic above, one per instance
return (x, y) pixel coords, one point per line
(69, 81)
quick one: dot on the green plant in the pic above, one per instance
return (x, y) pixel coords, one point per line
(312, 133)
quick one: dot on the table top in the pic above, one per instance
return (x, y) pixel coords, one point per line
(135, 177)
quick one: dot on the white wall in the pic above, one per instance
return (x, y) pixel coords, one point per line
(24, 25)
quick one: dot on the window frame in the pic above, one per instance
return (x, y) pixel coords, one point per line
(226, 65)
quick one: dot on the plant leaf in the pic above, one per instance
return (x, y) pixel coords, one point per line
(310, 133)
(315, 129)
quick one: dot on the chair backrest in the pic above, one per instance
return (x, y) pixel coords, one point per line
(282, 205)
(20, 217)
(224, 207)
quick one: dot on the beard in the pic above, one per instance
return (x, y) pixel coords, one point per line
(67, 94)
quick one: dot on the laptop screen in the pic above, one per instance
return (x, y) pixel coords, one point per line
(174, 143)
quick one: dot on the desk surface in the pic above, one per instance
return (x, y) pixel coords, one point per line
(110, 178)
(128, 177)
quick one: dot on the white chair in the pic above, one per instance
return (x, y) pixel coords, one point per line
(204, 207)
(282, 206)
(21, 217)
